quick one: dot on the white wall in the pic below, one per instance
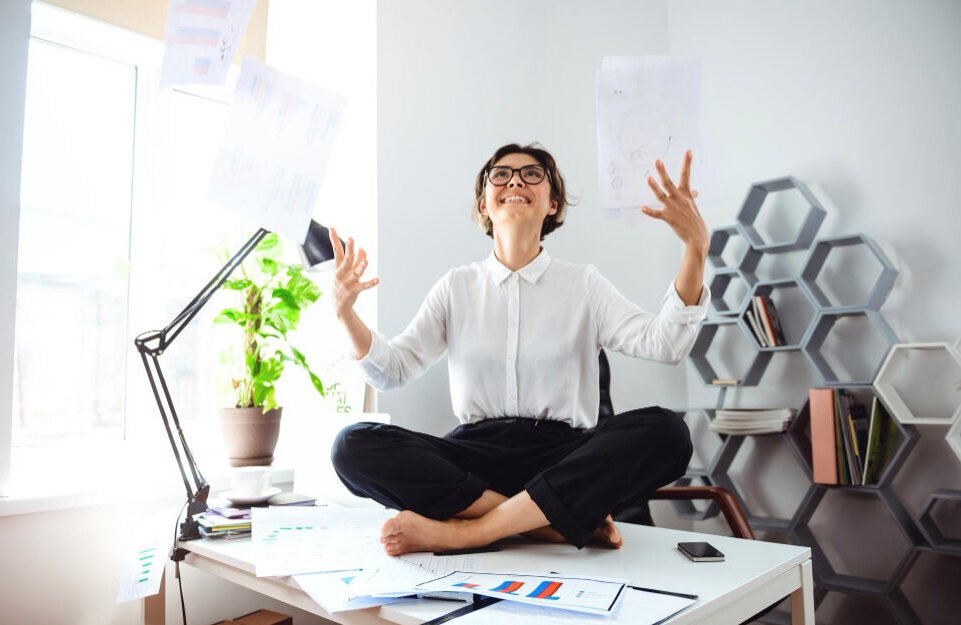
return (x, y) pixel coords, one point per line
(456, 81)
(860, 100)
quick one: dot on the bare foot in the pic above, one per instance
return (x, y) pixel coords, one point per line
(608, 534)
(409, 532)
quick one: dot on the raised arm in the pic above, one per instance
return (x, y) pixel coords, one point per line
(681, 213)
(347, 286)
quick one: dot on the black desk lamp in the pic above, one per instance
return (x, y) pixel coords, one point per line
(315, 250)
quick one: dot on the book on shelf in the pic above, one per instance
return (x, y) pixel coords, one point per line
(849, 444)
(744, 421)
(823, 457)
(763, 320)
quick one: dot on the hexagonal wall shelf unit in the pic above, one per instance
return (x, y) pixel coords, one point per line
(723, 250)
(929, 525)
(874, 347)
(953, 437)
(827, 576)
(729, 290)
(735, 352)
(921, 383)
(793, 308)
(759, 195)
(818, 259)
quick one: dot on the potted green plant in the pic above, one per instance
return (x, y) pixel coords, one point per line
(273, 294)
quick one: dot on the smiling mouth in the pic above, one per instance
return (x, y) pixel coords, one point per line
(515, 199)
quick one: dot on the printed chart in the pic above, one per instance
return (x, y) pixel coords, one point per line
(202, 38)
(590, 595)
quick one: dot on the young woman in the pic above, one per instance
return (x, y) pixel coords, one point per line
(522, 333)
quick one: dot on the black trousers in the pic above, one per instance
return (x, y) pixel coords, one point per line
(576, 477)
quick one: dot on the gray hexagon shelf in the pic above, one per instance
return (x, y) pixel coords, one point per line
(937, 374)
(795, 314)
(756, 199)
(721, 238)
(825, 574)
(818, 259)
(953, 437)
(821, 329)
(748, 375)
(721, 282)
(929, 525)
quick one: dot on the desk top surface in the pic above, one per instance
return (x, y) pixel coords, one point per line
(649, 559)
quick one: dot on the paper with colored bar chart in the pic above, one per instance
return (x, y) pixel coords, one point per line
(201, 39)
(143, 564)
(278, 140)
(592, 595)
(294, 540)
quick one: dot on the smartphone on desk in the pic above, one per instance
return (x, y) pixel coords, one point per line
(701, 552)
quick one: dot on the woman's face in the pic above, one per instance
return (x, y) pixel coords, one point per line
(518, 203)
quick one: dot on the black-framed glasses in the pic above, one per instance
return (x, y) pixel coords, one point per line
(530, 174)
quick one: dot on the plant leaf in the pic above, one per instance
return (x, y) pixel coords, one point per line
(238, 284)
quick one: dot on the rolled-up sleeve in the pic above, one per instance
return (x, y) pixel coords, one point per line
(623, 326)
(392, 363)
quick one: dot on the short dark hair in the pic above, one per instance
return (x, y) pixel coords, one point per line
(558, 188)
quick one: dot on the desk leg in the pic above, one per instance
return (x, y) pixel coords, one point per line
(802, 599)
(154, 607)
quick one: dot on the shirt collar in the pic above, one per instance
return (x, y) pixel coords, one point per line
(531, 272)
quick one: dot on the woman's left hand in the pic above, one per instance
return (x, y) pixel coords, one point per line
(679, 210)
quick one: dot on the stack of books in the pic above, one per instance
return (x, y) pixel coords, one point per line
(746, 421)
(214, 525)
(849, 446)
(764, 323)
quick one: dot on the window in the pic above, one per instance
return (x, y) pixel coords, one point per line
(116, 236)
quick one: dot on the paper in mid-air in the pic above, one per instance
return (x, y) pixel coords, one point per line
(648, 108)
(201, 39)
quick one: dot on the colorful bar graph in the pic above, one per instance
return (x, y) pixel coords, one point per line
(546, 590)
(508, 587)
(467, 585)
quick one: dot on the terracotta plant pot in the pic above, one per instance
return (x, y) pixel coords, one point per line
(250, 435)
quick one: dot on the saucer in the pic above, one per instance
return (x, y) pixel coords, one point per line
(249, 499)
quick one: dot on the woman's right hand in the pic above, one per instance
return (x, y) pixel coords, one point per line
(349, 270)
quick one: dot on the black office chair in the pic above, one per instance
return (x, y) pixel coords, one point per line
(640, 512)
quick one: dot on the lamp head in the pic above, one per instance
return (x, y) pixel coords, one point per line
(316, 252)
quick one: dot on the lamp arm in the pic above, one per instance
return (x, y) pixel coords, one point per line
(151, 345)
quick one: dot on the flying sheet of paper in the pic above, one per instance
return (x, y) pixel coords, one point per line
(272, 161)
(592, 595)
(329, 590)
(648, 108)
(201, 39)
(293, 539)
(143, 564)
(636, 608)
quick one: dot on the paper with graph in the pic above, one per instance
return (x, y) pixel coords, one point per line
(144, 559)
(278, 140)
(201, 39)
(591, 595)
(648, 108)
(294, 540)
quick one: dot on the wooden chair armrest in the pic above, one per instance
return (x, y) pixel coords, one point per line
(733, 513)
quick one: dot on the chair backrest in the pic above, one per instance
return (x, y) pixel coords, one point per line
(606, 408)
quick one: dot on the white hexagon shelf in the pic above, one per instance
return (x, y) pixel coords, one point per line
(954, 438)
(936, 379)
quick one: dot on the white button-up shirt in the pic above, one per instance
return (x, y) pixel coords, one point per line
(525, 343)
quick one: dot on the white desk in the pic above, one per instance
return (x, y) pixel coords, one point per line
(755, 575)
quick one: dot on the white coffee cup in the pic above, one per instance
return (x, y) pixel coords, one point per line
(250, 481)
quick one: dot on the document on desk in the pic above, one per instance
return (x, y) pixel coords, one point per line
(635, 608)
(388, 576)
(330, 591)
(590, 595)
(293, 540)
